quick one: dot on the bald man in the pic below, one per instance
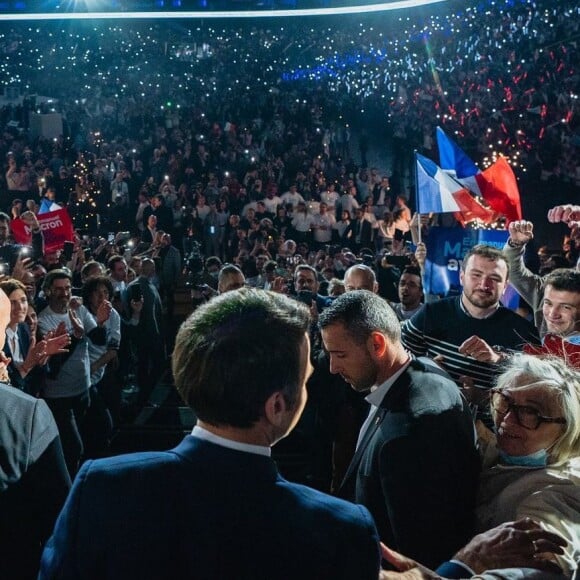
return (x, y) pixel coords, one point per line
(360, 277)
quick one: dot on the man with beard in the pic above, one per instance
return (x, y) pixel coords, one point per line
(416, 465)
(469, 334)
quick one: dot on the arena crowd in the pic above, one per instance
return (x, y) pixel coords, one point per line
(209, 159)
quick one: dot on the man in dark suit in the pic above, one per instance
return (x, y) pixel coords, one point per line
(34, 480)
(215, 507)
(361, 231)
(416, 466)
(149, 335)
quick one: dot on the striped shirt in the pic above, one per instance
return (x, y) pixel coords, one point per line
(439, 328)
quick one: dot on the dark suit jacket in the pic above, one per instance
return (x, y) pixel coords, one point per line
(417, 467)
(146, 236)
(206, 512)
(149, 331)
(366, 233)
(34, 481)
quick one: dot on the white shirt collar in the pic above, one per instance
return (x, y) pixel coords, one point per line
(206, 435)
(378, 393)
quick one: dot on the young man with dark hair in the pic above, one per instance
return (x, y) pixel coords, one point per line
(410, 290)
(468, 334)
(554, 298)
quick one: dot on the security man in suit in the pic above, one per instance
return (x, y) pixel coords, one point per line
(34, 480)
(215, 507)
(416, 465)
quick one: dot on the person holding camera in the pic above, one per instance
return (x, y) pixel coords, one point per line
(10, 252)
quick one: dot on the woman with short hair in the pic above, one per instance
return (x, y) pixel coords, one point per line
(532, 463)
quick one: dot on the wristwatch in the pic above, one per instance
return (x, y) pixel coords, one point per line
(514, 245)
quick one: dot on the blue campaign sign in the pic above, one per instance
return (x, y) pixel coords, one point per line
(446, 248)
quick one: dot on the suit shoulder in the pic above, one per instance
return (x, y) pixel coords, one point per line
(432, 391)
(336, 509)
(138, 463)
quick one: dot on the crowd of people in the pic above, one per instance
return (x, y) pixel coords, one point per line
(221, 159)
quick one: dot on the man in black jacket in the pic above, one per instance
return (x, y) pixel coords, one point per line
(416, 465)
(34, 480)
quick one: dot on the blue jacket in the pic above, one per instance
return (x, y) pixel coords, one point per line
(206, 512)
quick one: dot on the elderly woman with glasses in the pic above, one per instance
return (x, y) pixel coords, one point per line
(532, 463)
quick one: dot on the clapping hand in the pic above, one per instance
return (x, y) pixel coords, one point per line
(104, 312)
(78, 328)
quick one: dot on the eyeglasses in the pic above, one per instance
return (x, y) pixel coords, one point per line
(526, 417)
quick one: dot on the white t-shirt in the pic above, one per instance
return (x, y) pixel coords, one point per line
(73, 378)
(272, 204)
(322, 227)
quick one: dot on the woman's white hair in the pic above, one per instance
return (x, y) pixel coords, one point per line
(562, 384)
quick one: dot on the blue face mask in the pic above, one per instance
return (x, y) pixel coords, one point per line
(537, 459)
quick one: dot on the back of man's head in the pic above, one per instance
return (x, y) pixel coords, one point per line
(361, 313)
(148, 268)
(237, 350)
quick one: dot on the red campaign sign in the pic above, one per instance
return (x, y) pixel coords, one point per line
(55, 225)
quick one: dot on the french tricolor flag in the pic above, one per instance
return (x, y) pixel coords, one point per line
(435, 188)
(438, 192)
(497, 184)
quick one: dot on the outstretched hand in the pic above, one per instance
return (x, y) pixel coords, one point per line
(479, 349)
(407, 569)
(520, 544)
(421, 254)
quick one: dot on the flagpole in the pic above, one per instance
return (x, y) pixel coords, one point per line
(417, 199)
